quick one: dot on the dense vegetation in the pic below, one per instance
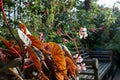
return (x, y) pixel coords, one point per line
(75, 23)
(55, 18)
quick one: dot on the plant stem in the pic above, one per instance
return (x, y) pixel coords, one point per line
(74, 41)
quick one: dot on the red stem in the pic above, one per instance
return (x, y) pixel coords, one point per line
(3, 12)
(74, 41)
(10, 30)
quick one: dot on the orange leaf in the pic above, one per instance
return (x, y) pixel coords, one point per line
(22, 27)
(68, 54)
(17, 48)
(71, 67)
(34, 58)
(44, 77)
(58, 57)
(36, 61)
(35, 42)
(59, 76)
(9, 46)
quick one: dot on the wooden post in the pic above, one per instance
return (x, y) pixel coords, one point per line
(96, 68)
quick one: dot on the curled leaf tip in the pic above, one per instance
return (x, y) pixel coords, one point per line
(22, 27)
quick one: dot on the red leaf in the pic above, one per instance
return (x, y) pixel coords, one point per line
(9, 46)
(34, 58)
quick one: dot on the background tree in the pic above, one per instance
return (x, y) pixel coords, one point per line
(98, 21)
(49, 16)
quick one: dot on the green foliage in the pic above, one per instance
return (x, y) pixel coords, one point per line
(48, 16)
(94, 19)
(114, 32)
